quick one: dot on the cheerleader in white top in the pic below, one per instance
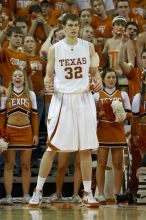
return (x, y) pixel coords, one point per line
(113, 106)
(18, 115)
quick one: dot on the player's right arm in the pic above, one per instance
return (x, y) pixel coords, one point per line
(50, 69)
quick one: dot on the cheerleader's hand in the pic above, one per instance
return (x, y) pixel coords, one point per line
(3, 145)
(3, 91)
(35, 140)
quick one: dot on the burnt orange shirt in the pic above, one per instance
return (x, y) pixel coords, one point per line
(10, 60)
(6, 13)
(102, 27)
(134, 82)
(39, 33)
(137, 7)
(36, 73)
(17, 5)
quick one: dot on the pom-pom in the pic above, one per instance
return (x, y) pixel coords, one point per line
(118, 110)
(4, 140)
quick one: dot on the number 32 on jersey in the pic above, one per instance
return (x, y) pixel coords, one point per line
(73, 72)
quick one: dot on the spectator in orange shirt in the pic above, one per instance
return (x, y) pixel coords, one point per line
(36, 68)
(39, 27)
(19, 22)
(12, 56)
(123, 9)
(5, 11)
(49, 13)
(21, 7)
(137, 6)
(100, 20)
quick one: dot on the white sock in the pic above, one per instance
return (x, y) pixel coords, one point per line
(40, 183)
(87, 186)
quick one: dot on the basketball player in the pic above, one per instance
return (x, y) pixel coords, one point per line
(72, 112)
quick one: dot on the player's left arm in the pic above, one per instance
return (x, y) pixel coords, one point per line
(93, 70)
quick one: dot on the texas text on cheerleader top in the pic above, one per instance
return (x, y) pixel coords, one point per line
(19, 102)
(17, 109)
(109, 132)
(106, 97)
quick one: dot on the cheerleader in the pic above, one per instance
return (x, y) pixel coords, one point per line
(113, 107)
(19, 118)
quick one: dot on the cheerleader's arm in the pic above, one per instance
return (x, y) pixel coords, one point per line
(127, 105)
(3, 113)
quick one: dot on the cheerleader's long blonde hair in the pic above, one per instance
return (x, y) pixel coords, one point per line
(25, 86)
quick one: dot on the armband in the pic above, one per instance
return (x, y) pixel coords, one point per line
(94, 62)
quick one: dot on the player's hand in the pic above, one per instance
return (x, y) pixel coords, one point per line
(96, 85)
(49, 85)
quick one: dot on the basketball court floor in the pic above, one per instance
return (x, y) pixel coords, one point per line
(68, 211)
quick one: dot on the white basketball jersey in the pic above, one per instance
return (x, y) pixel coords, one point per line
(72, 67)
